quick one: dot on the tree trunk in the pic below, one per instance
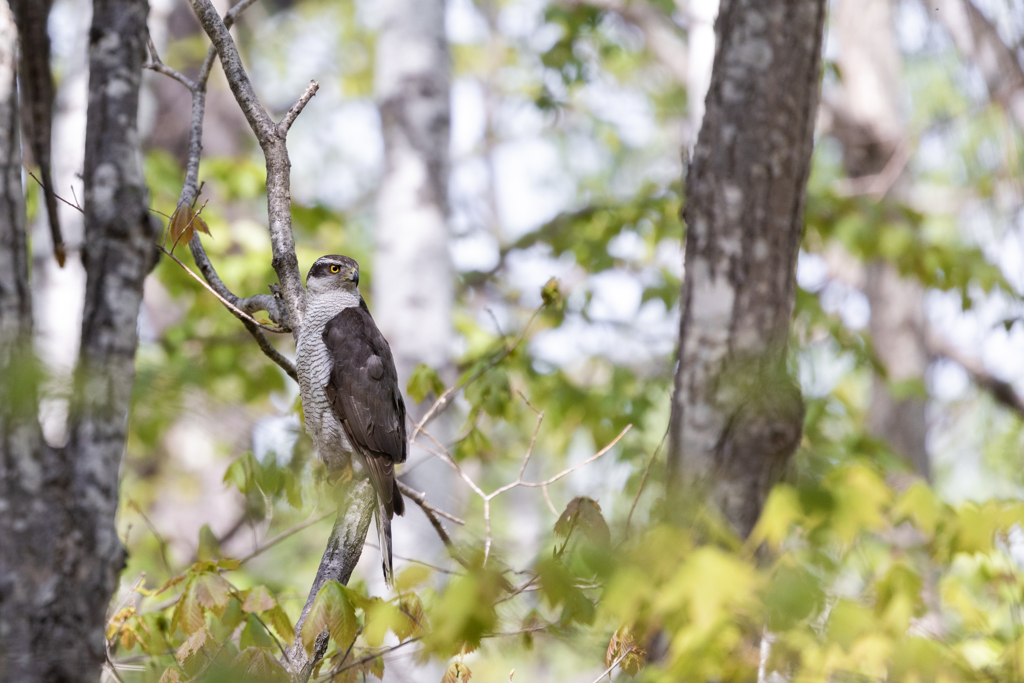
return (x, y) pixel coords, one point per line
(413, 280)
(413, 285)
(61, 554)
(736, 414)
(869, 125)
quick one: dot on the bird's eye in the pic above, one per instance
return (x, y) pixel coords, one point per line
(335, 269)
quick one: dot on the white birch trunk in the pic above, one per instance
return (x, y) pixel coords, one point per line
(413, 287)
(871, 127)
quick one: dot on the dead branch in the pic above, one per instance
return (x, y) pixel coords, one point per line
(1001, 390)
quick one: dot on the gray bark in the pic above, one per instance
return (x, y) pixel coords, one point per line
(62, 555)
(870, 125)
(27, 544)
(341, 555)
(737, 416)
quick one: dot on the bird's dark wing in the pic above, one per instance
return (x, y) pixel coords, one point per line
(363, 389)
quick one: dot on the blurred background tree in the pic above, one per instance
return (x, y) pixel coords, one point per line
(892, 548)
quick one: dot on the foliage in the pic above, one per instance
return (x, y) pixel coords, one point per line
(855, 570)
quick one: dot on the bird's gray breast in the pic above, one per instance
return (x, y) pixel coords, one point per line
(313, 364)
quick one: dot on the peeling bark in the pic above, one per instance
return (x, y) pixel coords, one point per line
(737, 416)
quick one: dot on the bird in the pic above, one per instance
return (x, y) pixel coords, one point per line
(348, 383)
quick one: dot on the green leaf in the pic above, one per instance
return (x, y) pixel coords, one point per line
(332, 610)
(792, 595)
(254, 635)
(423, 381)
(209, 545)
(279, 621)
(188, 614)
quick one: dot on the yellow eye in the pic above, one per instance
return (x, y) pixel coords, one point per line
(335, 269)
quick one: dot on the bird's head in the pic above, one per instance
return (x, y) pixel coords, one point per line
(333, 273)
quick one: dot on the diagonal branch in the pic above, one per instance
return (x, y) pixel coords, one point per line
(979, 41)
(340, 557)
(272, 142)
(1001, 390)
(242, 308)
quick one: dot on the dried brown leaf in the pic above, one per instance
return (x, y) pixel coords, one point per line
(584, 514)
(180, 229)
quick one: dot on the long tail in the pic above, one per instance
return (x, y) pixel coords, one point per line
(389, 503)
(383, 521)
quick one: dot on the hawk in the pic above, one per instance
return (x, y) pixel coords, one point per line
(349, 387)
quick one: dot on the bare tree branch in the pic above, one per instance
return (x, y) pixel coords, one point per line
(663, 37)
(979, 41)
(1001, 390)
(242, 308)
(278, 165)
(37, 87)
(289, 118)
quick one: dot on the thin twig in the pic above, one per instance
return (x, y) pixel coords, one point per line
(643, 480)
(289, 118)
(227, 304)
(442, 401)
(608, 671)
(76, 207)
(767, 639)
(283, 535)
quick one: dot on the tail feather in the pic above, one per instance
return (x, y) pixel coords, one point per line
(384, 538)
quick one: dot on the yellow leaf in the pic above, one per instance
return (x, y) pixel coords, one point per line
(920, 505)
(188, 614)
(128, 639)
(412, 576)
(280, 622)
(781, 511)
(623, 644)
